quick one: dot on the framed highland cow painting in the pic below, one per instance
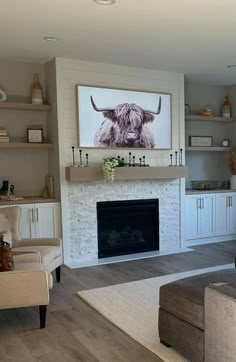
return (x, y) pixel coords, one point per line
(119, 118)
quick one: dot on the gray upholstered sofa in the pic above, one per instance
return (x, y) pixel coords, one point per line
(197, 316)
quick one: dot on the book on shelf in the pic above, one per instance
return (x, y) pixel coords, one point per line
(3, 132)
(4, 139)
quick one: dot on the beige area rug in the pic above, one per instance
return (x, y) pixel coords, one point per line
(133, 307)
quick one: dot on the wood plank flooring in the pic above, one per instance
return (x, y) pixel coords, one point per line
(75, 331)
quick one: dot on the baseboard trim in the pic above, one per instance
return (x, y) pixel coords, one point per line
(215, 239)
(85, 262)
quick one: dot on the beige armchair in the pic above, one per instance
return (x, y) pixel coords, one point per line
(27, 285)
(49, 250)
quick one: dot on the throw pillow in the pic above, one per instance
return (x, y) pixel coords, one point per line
(6, 257)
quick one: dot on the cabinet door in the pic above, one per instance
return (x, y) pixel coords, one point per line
(192, 217)
(232, 214)
(207, 220)
(221, 214)
(47, 220)
(27, 224)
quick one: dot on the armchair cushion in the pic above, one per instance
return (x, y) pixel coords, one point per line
(48, 253)
(27, 285)
(38, 242)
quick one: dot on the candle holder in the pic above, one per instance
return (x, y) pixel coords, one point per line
(86, 159)
(181, 157)
(176, 158)
(129, 159)
(171, 160)
(80, 158)
(133, 161)
(73, 156)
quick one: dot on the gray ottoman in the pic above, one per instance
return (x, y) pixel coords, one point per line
(181, 312)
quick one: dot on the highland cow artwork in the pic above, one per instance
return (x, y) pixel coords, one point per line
(115, 118)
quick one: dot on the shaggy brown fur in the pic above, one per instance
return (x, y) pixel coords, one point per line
(125, 127)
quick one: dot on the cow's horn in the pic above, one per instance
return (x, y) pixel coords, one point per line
(158, 109)
(99, 109)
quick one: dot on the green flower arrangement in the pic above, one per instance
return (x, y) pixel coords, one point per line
(108, 168)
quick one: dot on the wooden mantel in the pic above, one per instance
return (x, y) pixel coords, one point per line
(94, 173)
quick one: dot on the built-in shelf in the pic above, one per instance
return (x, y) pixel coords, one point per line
(94, 173)
(209, 149)
(25, 106)
(26, 145)
(191, 117)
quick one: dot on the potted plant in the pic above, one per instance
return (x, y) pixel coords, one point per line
(232, 167)
(108, 168)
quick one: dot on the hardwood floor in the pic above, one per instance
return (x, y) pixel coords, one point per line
(75, 331)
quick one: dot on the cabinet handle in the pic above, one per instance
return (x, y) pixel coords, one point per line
(198, 203)
(202, 203)
(231, 201)
(32, 215)
(37, 213)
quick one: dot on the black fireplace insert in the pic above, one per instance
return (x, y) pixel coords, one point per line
(127, 227)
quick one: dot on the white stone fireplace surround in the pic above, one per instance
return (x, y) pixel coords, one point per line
(83, 198)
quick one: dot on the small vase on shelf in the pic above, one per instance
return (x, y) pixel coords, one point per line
(37, 91)
(226, 109)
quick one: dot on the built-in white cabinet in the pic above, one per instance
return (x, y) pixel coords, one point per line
(200, 221)
(210, 215)
(225, 213)
(40, 220)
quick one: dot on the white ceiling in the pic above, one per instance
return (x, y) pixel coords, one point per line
(193, 37)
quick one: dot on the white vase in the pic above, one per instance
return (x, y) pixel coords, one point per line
(233, 182)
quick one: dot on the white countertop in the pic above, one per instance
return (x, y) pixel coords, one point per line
(193, 192)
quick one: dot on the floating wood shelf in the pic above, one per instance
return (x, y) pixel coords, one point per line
(209, 149)
(26, 145)
(25, 106)
(94, 173)
(194, 117)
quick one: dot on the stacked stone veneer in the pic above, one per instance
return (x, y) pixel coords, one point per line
(83, 200)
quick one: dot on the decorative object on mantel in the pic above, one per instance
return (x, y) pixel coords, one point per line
(73, 156)
(226, 108)
(108, 168)
(201, 141)
(118, 118)
(206, 111)
(36, 91)
(180, 158)
(232, 167)
(3, 95)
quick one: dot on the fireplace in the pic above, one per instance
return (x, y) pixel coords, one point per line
(127, 227)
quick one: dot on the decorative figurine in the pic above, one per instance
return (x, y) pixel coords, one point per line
(171, 160)
(73, 155)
